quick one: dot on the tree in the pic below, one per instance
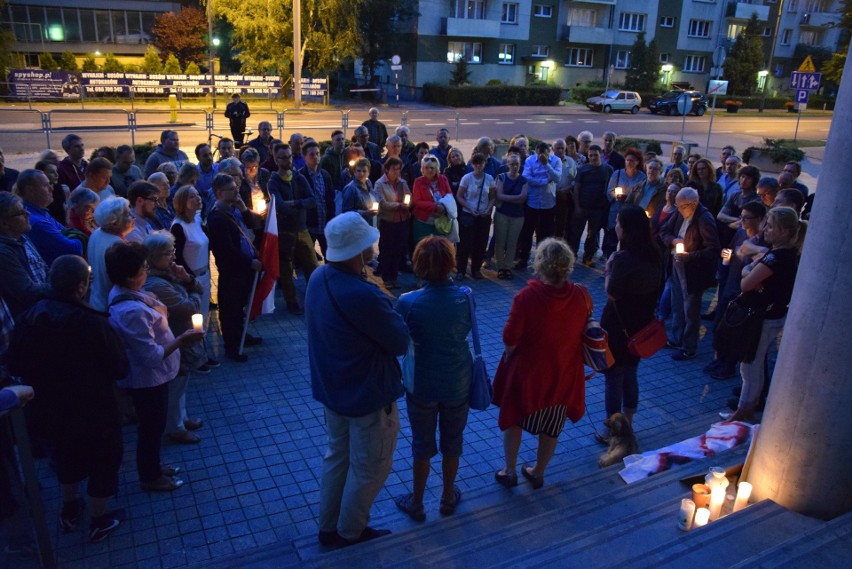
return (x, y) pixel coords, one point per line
(832, 70)
(89, 64)
(745, 59)
(172, 65)
(460, 74)
(380, 24)
(192, 69)
(47, 62)
(152, 63)
(182, 33)
(7, 38)
(112, 65)
(643, 69)
(263, 34)
(68, 62)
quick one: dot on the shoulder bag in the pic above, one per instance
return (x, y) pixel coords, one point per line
(481, 392)
(649, 340)
(596, 352)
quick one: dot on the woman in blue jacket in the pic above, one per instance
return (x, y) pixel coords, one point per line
(436, 372)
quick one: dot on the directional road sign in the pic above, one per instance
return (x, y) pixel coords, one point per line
(809, 81)
(802, 95)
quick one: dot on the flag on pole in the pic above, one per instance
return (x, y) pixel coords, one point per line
(264, 298)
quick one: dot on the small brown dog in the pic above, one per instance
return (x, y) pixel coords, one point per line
(622, 440)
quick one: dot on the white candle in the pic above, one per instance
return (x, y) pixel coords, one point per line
(679, 248)
(197, 322)
(375, 206)
(717, 498)
(702, 516)
(619, 191)
(407, 199)
(743, 494)
(687, 512)
(260, 207)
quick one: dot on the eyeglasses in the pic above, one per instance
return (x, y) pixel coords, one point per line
(747, 217)
(19, 213)
(150, 199)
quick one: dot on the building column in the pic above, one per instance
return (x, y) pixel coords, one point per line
(803, 453)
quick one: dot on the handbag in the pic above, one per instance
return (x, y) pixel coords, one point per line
(738, 333)
(443, 225)
(481, 392)
(649, 340)
(596, 352)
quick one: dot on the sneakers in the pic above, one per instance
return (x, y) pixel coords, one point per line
(71, 514)
(103, 526)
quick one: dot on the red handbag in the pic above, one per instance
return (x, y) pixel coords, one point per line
(649, 340)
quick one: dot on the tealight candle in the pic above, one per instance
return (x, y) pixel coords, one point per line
(717, 498)
(375, 206)
(687, 512)
(619, 191)
(679, 249)
(407, 199)
(197, 322)
(702, 516)
(743, 494)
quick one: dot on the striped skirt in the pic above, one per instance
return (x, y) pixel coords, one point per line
(548, 421)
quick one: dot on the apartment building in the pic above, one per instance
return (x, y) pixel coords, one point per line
(570, 42)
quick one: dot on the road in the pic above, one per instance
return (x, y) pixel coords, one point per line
(741, 129)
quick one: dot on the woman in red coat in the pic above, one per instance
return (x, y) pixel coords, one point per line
(540, 379)
(426, 195)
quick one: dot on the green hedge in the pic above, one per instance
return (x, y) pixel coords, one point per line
(473, 96)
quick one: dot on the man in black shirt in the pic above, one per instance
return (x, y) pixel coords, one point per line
(237, 112)
(590, 204)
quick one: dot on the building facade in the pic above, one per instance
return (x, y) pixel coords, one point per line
(571, 42)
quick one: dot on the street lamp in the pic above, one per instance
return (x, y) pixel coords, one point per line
(666, 69)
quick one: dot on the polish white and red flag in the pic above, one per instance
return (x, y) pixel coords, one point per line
(264, 296)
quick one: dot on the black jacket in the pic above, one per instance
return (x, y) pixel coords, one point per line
(701, 243)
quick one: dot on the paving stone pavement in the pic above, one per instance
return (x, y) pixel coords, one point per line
(254, 478)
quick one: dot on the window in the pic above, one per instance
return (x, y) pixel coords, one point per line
(785, 36)
(507, 53)
(579, 57)
(666, 22)
(815, 6)
(510, 13)
(665, 57)
(468, 9)
(542, 11)
(587, 17)
(469, 51)
(540, 51)
(622, 59)
(699, 28)
(793, 6)
(628, 22)
(809, 37)
(767, 32)
(694, 63)
(734, 30)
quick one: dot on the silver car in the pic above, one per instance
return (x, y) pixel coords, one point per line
(614, 100)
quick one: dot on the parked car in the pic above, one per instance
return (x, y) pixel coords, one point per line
(667, 104)
(614, 100)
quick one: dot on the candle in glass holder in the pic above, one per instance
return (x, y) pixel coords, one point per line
(717, 498)
(702, 516)
(701, 495)
(407, 199)
(679, 248)
(197, 322)
(743, 494)
(687, 512)
(619, 191)
(375, 206)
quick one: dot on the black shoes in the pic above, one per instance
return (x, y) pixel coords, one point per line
(71, 514)
(333, 540)
(102, 527)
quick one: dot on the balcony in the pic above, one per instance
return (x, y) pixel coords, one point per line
(605, 2)
(586, 34)
(819, 20)
(743, 11)
(463, 27)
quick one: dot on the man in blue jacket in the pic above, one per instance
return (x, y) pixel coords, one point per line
(354, 338)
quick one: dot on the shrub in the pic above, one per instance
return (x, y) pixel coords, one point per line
(780, 151)
(493, 83)
(472, 96)
(645, 144)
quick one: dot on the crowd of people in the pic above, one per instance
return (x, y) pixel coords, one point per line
(112, 259)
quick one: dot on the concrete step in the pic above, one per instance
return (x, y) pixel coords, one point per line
(824, 546)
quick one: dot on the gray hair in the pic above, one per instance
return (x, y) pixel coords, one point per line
(82, 196)
(393, 138)
(48, 156)
(585, 136)
(110, 212)
(158, 179)
(689, 195)
(403, 128)
(158, 243)
(167, 167)
(229, 165)
(7, 200)
(187, 170)
(554, 260)
(610, 133)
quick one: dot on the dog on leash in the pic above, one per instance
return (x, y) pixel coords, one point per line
(622, 440)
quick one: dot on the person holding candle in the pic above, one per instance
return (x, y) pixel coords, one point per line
(115, 221)
(650, 196)
(394, 214)
(358, 194)
(634, 277)
(437, 373)
(172, 285)
(426, 196)
(255, 180)
(767, 284)
(693, 270)
(622, 183)
(540, 379)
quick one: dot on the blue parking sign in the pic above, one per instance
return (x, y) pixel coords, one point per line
(808, 81)
(802, 95)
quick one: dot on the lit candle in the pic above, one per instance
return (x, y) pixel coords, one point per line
(687, 512)
(407, 199)
(701, 495)
(197, 322)
(717, 498)
(679, 248)
(351, 163)
(375, 206)
(743, 494)
(726, 256)
(619, 191)
(260, 207)
(702, 516)
(647, 214)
